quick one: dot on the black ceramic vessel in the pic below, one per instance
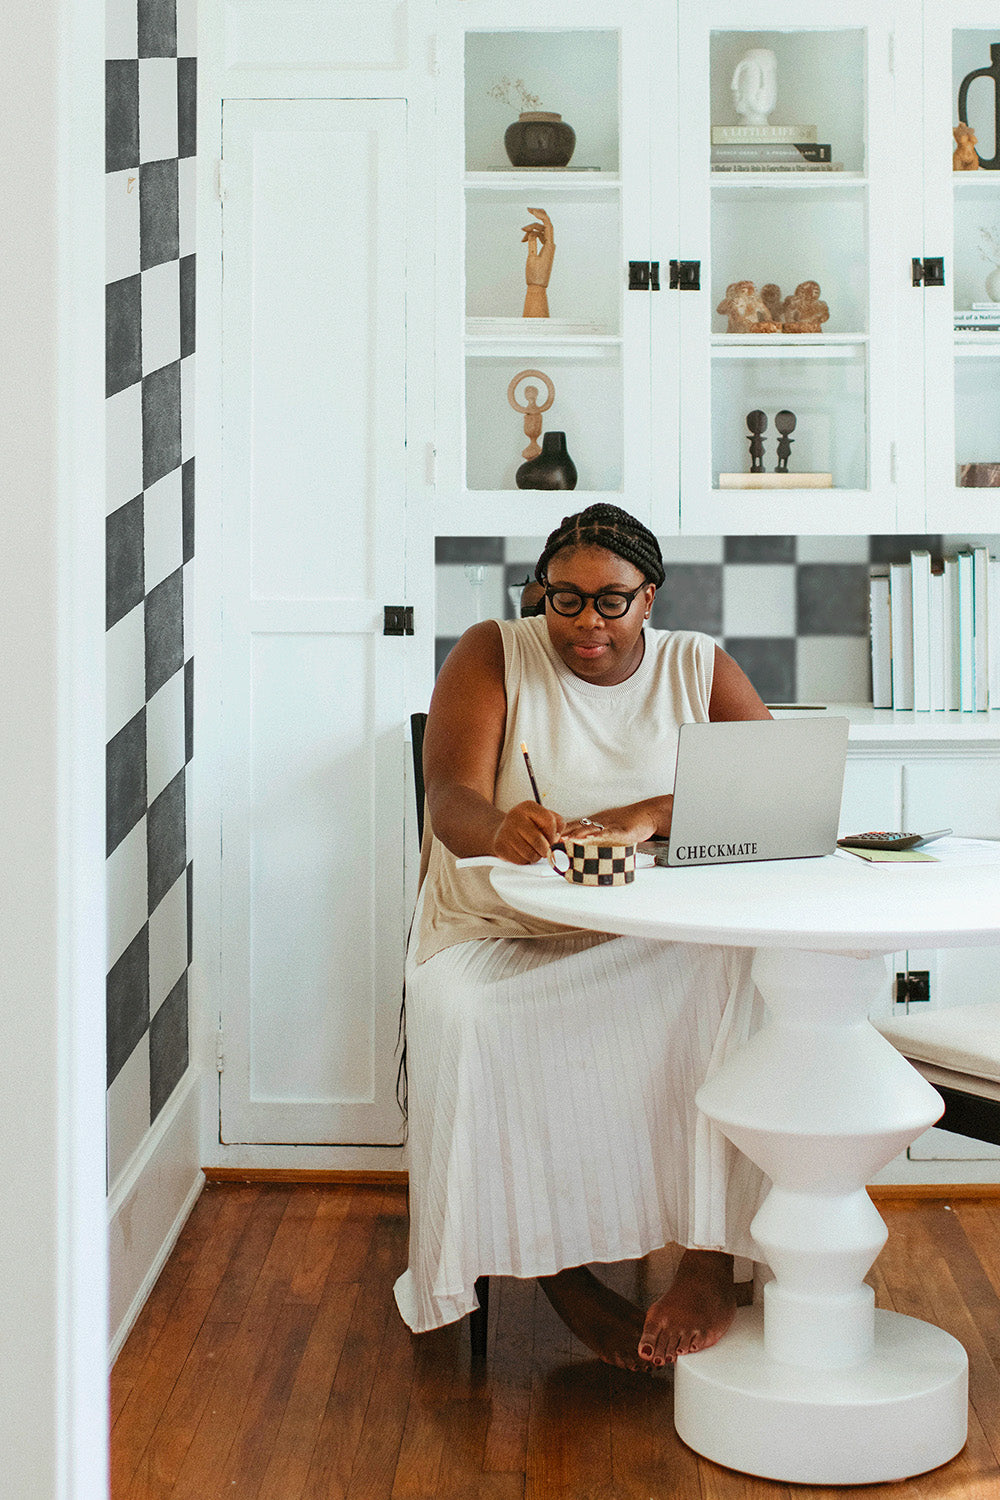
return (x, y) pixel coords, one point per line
(539, 139)
(553, 469)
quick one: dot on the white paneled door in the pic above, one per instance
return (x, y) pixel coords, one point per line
(313, 456)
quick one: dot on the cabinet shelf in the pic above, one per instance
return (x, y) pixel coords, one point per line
(529, 347)
(968, 346)
(792, 346)
(794, 182)
(558, 179)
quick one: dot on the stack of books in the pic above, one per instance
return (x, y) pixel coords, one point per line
(935, 633)
(981, 317)
(770, 148)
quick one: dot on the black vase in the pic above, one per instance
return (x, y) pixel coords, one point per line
(539, 139)
(553, 469)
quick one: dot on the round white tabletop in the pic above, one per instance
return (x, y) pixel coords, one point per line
(835, 902)
(817, 1386)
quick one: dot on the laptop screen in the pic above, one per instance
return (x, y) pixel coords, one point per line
(757, 789)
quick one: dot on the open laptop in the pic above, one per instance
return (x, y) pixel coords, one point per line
(757, 789)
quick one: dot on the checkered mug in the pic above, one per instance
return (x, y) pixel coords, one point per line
(599, 864)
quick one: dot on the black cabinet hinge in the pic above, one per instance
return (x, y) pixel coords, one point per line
(685, 275)
(913, 987)
(929, 272)
(398, 619)
(644, 275)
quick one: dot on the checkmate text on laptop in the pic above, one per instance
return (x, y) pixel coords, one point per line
(757, 789)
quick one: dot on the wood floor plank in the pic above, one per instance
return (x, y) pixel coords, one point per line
(161, 1460)
(569, 1424)
(647, 1456)
(151, 1393)
(980, 1220)
(509, 1362)
(263, 1301)
(360, 1368)
(322, 1248)
(250, 1254)
(434, 1357)
(260, 1421)
(292, 1448)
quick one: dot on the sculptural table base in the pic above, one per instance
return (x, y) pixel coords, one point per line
(817, 1387)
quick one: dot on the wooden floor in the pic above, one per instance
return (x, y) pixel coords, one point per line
(270, 1364)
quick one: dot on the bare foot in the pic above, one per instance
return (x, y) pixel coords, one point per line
(694, 1313)
(607, 1323)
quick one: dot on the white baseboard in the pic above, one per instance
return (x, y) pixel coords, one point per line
(148, 1206)
(309, 1158)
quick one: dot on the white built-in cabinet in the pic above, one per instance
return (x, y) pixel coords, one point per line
(650, 387)
(368, 308)
(922, 770)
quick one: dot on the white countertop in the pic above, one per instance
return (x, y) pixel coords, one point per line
(879, 725)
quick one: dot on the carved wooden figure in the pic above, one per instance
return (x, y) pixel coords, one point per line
(757, 426)
(531, 411)
(784, 421)
(541, 241)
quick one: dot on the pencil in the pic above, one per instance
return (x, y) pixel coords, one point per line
(531, 774)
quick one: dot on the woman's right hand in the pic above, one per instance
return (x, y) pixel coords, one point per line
(527, 833)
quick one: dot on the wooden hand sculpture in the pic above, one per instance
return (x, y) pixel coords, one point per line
(541, 243)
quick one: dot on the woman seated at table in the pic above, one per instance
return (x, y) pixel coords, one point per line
(552, 1071)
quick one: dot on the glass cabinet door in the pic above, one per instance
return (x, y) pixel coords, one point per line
(962, 324)
(519, 364)
(789, 349)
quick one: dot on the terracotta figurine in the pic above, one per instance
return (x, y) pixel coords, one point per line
(746, 310)
(770, 295)
(803, 311)
(965, 157)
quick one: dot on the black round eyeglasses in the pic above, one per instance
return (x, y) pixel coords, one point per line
(611, 603)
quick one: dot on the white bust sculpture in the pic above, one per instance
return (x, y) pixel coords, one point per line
(755, 85)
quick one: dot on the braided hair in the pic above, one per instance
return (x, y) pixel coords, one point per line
(613, 529)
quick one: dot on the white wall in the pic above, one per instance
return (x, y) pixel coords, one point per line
(52, 1252)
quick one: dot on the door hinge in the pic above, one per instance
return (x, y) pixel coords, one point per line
(644, 275)
(220, 180)
(220, 1057)
(930, 271)
(912, 987)
(892, 463)
(892, 53)
(398, 619)
(685, 275)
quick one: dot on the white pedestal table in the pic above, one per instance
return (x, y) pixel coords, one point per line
(817, 1386)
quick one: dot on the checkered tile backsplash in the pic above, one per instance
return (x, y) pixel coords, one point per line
(792, 610)
(150, 179)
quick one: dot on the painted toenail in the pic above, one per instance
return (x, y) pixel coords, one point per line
(646, 1349)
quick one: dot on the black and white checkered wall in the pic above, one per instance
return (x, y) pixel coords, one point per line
(150, 165)
(792, 610)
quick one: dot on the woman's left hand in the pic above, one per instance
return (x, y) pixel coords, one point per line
(632, 824)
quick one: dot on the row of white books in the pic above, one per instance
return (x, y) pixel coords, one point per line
(935, 633)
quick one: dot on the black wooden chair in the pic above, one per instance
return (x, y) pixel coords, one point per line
(957, 1050)
(479, 1318)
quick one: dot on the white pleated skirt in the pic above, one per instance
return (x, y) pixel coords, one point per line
(552, 1120)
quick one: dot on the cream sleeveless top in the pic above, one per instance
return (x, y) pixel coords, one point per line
(590, 747)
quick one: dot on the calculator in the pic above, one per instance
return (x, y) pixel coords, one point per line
(890, 841)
